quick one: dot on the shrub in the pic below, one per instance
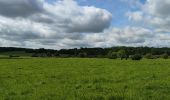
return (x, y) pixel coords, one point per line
(136, 57)
(165, 56)
(121, 53)
(35, 55)
(150, 56)
(112, 55)
(82, 55)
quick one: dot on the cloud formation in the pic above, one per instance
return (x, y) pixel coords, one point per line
(155, 14)
(38, 20)
(66, 24)
(16, 8)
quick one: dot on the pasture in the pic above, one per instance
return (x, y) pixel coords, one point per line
(84, 79)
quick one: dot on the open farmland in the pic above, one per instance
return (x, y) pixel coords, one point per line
(84, 79)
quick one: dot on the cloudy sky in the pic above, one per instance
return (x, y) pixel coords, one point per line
(60, 24)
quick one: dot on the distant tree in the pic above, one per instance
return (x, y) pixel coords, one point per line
(150, 56)
(165, 56)
(122, 54)
(42, 55)
(136, 57)
(112, 55)
(35, 55)
(83, 54)
(48, 54)
(56, 54)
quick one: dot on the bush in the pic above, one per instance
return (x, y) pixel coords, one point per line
(121, 53)
(136, 57)
(35, 55)
(165, 56)
(150, 56)
(112, 55)
(82, 55)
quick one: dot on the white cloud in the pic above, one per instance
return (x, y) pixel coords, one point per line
(39, 23)
(155, 14)
(128, 36)
(136, 16)
(65, 24)
(159, 8)
(75, 18)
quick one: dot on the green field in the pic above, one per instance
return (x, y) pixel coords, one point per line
(84, 79)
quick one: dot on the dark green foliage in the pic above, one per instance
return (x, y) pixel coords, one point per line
(123, 52)
(165, 56)
(150, 56)
(112, 55)
(35, 55)
(82, 55)
(136, 57)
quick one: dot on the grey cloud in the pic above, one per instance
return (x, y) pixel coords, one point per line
(154, 14)
(17, 8)
(61, 17)
(132, 35)
(129, 40)
(159, 8)
(71, 17)
(127, 36)
(65, 24)
(36, 22)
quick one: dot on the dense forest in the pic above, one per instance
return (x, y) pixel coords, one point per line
(123, 52)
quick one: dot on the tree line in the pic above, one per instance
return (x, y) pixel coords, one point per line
(112, 53)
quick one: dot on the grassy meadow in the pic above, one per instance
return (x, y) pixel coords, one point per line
(84, 79)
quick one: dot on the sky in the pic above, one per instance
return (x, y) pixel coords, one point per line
(59, 24)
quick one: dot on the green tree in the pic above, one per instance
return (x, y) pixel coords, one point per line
(149, 56)
(136, 57)
(83, 54)
(122, 54)
(112, 55)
